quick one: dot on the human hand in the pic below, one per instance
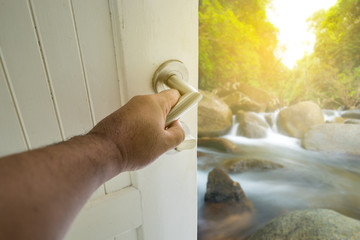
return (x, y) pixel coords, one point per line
(138, 129)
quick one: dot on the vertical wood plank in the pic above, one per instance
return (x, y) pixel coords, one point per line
(26, 73)
(118, 28)
(58, 39)
(12, 139)
(96, 42)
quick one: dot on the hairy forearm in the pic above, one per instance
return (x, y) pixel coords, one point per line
(41, 191)
(51, 185)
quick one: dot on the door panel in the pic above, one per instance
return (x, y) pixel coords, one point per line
(23, 64)
(56, 28)
(147, 33)
(66, 65)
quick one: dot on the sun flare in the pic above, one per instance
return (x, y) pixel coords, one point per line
(294, 34)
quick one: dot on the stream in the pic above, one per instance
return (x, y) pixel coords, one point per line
(307, 180)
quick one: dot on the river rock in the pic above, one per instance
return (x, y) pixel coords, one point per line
(227, 212)
(239, 165)
(310, 224)
(239, 101)
(334, 137)
(267, 101)
(297, 119)
(225, 90)
(220, 144)
(251, 125)
(224, 196)
(221, 188)
(355, 114)
(214, 115)
(352, 121)
(257, 99)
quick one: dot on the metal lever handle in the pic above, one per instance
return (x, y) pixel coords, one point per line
(185, 103)
(173, 74)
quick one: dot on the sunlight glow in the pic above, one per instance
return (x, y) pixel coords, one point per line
(290, 18)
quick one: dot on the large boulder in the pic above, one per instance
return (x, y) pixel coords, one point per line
(251, 125)
(265, 99)
(241, 96)
(239, 101)
(333, 137)
(224, 91)
(297, 119)
(310, 224)
(214, 115)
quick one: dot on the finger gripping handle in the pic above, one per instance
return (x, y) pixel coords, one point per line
(185, 103)
(173, 74)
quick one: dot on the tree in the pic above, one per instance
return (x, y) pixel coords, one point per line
(237, 44)
(337, 54)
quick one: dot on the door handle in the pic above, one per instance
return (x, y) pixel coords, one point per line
(173, 74)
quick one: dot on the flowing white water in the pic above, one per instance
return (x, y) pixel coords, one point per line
(309, 179)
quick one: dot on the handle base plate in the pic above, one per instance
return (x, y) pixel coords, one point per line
(165, 71)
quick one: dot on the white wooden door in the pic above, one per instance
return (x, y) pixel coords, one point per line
(66, 64)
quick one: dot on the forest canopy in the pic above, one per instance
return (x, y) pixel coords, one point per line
(333, 70)
(238, 43)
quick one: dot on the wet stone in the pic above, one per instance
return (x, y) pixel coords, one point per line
(238, 165)
(219, 144)
(355, 114)
(333, 137)
(224, 196)
(310, 224)
(352, 121)
(251, 125)
(214, 116)
(221, 188)
(297, 119)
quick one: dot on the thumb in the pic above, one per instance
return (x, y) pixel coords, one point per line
(175, 134)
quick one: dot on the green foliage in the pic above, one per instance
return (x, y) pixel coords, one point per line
(332, 71)
(236, 44)
(338, 34)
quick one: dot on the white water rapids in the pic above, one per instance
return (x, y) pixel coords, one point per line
(309, 179)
